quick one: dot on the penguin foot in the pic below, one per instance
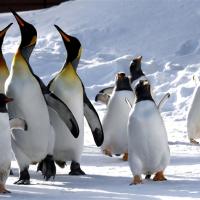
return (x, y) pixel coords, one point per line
(61, 164)
(24, 178)
(11, 172)
(76, 169)
(107, 152)
(47, 167)
(148, 176)
(159, 176)
(125, 157)
(3, 190)
(136, 180)
(193, 141)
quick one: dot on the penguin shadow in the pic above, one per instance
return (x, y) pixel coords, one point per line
(107, 187)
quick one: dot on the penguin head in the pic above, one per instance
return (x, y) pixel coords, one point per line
(73, 47)
(3, 101)
(135, 68)
(28, 35)
(143, 91)
(122, 82)
(2, 34)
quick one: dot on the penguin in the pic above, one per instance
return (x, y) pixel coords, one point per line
(68, 86)
(193, 117)
(148, 148)
(5, 143)
(115, 120)
(31, 100)
(136, 74)
(4, 72)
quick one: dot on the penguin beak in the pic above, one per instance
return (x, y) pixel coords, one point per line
(3, 32)
(63, 34)
(20, 21)
(7, 100)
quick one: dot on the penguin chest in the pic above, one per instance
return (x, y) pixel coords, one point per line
(71, 93)
(147, 143)
(193, 118)
(5, 141)
(115, 122)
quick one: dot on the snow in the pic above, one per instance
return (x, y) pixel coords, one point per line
(166, 34)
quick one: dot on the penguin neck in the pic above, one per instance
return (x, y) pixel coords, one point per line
(4, 72)
(20, 64)
(136, 74)
(75, 63)
(144, 97)
(123, 85)
(68, 72)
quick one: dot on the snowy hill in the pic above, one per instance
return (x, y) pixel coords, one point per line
(166, 34)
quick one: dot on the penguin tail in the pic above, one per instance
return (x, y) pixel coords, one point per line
(47, 167)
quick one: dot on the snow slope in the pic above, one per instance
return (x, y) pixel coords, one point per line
(112, 32)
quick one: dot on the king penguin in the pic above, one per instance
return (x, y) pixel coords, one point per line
(5, 143)
(68, 86)
(136, 74)
(4, 72)
(31, 99)
(115, 120)
(147, 137)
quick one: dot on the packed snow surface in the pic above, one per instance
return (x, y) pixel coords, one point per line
(166, 33)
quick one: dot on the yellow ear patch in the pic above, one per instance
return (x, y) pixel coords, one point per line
(33, 41)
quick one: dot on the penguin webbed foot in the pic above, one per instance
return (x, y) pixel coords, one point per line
(24, 178)
(193, 141)
(76, 169)
(3, 190)
(47, 167)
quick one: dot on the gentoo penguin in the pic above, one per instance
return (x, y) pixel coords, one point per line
(4, 72)
(69, 88)
(5, 143)
(136, 74)
(115, 120)
(147, 138)
(29, 92)
(193, 118)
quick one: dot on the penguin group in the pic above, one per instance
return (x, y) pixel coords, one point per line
(133, 125)
(42, 124)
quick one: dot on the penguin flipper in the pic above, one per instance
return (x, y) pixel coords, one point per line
(64, 113)
(60, 107)
(103, 98)
(18, 123)
(93, 121)
(107, 90)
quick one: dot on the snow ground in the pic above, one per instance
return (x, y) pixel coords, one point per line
(112, 32)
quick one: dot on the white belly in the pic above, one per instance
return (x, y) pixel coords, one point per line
(147, 139)
(67, 147)
(115, 122)
(29, 104)
(193, 119)
(5, 147)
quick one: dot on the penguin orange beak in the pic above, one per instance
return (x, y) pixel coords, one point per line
(7, 100)
(3, 32)
(20, 21)
(63, 34)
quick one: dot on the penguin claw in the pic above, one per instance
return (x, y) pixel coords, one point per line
(47, 167)
(76, 169)
(22, 182)
(192, 141)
